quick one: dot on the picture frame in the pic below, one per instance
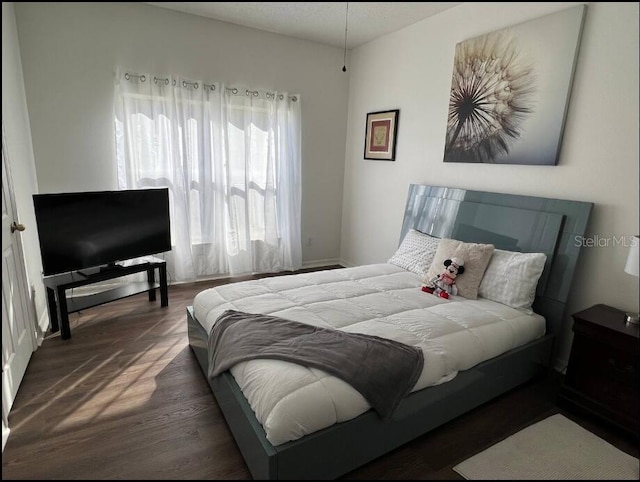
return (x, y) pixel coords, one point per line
(523, 76)
(381, 134)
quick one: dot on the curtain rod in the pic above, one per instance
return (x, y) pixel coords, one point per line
(212, 87)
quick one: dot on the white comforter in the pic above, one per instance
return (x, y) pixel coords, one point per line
(380, 299)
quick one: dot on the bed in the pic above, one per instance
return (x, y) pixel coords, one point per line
(294, 422)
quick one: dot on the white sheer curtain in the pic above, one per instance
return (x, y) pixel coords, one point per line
(231, 160)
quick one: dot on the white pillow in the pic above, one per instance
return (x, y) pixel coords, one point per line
(511, 278)
(416, 252)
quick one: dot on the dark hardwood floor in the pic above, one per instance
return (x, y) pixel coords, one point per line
(125, 398)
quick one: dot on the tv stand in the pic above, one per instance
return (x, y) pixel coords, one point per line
(60, 305)
(103, 269)
(111, 267)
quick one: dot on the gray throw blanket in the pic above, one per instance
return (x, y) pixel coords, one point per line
(383, 371)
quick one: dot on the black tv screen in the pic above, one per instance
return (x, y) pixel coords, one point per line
(89, 229)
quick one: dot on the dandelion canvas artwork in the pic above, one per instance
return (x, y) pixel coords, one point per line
(510, 92)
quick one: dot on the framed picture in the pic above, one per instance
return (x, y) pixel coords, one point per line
(510, 91)
(380, 135)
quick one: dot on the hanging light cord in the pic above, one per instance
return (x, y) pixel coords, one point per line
(346, 23)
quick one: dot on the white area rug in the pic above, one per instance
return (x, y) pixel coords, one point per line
(554, 449)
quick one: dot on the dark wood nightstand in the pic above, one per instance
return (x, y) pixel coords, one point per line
(602, 375)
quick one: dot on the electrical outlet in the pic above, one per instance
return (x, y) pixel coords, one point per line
(309, 241)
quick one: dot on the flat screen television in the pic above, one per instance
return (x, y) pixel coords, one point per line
(81, 230)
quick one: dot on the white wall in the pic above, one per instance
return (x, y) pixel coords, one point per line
(20, 155)
(411, 70)
(70, 52)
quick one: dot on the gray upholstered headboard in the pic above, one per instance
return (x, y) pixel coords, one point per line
(511, 222)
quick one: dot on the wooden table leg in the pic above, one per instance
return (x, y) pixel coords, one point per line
(164, 294)
(65, 329)
(53, 310)
(151, 278)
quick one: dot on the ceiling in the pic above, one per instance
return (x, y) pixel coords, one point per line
(322, 22)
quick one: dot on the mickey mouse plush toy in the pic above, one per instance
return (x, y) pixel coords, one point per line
(444, 284)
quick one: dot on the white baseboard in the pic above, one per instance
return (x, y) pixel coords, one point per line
(5, 435)
(320, 262)
(43, 325)
(347, 264)
(560, 365)
(306, 264)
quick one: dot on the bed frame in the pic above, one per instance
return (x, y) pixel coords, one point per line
(512, 222)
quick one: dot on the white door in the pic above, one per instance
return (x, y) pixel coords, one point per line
(18, 331)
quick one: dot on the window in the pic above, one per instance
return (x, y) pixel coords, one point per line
(231, 161)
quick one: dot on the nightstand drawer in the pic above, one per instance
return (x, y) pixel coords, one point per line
(614, 339)
(591, 357)
(603, 371)
(617, 397)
